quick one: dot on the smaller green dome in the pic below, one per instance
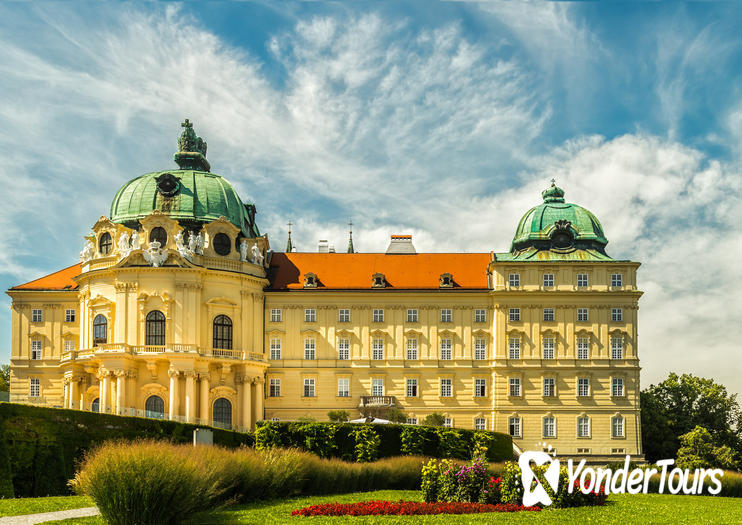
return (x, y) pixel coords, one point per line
(558, 225)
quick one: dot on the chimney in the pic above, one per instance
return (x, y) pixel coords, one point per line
(401, 244)
(324, 246)
(332, 248)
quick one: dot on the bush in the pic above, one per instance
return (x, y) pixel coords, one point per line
(395, 415)
(367, 444)
(446, 481)
(152, 482)
(434, 420)
(698, 450)
(339, 416)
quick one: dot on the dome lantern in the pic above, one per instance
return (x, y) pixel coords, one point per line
(191, 153)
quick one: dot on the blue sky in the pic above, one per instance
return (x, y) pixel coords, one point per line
(444, 120)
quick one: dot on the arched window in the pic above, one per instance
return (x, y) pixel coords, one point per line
(100, 330)
(158, 234)
(222, 413)
(222, 244)
(105, 243)
(95, 405)
(222, 332)
(155, 329)
(154, 407)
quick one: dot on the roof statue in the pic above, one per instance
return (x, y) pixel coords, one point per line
(191, 149)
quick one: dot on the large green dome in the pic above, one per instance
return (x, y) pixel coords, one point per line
(559, 225)
(192, 195)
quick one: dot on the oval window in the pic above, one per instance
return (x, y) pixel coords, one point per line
(222, 244)
(158, 234)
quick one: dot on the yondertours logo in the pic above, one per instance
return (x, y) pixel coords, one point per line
(618, 481)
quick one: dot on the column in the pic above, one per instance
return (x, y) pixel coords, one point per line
(259, 395)
(247, 403)
(66, 392)
(173, 409)
(204, 404)
(120, 390)
(103, 391)
(190, 395)
(74, 394)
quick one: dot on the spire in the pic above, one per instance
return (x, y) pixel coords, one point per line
(191, 153)
(289, 246)
(350, 239)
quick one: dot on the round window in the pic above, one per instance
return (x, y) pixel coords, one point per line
(158, 234)
(222, 244)
(167, 184)
(562, 240)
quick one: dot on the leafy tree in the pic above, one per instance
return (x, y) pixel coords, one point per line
(395, 415)
(5, 378)
(679, 404)
(434, 420)
(697, 450)
(339, 416)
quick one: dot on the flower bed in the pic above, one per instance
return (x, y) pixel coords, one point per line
(405, 508)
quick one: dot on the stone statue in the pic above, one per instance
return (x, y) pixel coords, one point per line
(196, 243)
(135, 240)
(243, 250)
(183, 250)
(257, 257)
(154, 255)
(87, 252)
(124, 246)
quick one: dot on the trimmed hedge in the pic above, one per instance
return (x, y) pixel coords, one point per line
(40, 447)
(348, 442)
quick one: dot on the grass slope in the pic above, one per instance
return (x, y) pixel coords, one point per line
(20, 506)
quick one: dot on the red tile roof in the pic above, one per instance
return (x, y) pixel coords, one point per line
(61, 280)
(354, 271)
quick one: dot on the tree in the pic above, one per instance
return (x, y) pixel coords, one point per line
(679, 404)
(4, 378)
(697, 450)
(395, 415)
(338, 416)
(434, 420)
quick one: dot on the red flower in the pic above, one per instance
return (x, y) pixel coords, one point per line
(405, 508)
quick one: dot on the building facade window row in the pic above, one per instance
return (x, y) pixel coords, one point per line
(378, 315)
(581, 281)
(582, 426)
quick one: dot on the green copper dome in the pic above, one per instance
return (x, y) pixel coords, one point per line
(558, 225)
(192, 195)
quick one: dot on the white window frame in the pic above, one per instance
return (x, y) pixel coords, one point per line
(583, 315)
(274, 387)
(514, 280)
(480, 423)
(310, 315)
(276, 315)
(549, 384)
(34, 387)
(548, 280)
(617, 315)
(618, 429)
(617, 347)
(411, 387)
(70, 314)
(583, 427)
(446, 385)
(378, 315)
(446, 348)
(548, 426)
(377, 349)
(344, 315)
(548, 348)
(549, 314)
(69, 345)
(513, 347)
(377, 386)
(343, 349)
(310, 387)
(480, 315)
(310, 349)
(343, 387)
(514, 426)
(37, 315)
(275, 348)
(616, 280)
(514, 387)
(412, 421)
(37, 349)
(480, 349)
(446, 315)
(448, 422)
(412, 315)
(583, 348)
(514, 314)
(582, 280)
(412, 348)
(583, 387)
(617, 387)
(480, 387)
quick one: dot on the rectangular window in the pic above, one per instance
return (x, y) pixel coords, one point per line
(448, 422)
(412, 421)
(34, 387)
(343, 387)
(480, 388)
(309, 387)
(549, 387)
(276, 315)
(446, 349)
(581, 280)
(309, 349)
(548, 314)
(446, 315)
(583, 348)
(480, 423)
(617, 387)
(36, 316)
(548, 347)
(616, 314)
(446, 388)
(582, 314)
(377, 387)
(514, 426)
(378, 315)
(69, 316)
(548, 280)
(514, 387)
(514, 314)
(310, 315)
(412, 315)
(617, 280)
(344, 315)
(378, 349)
(69, 345)
(412, 388)
(480, 349)
(549, 427)
(343, 349)
(514, 280)
(514, 348)
(35, 349)
(412, 349)
(583, 387)
(274, 388)
(275, 419)
(275, 348)
(617, 347)
(480, 315)
(617, 425)
(583, 427)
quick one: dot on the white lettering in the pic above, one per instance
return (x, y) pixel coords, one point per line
(571, 475)
(635, 481)
(675, 474)
(715, 476)
(584, 487)
(604, 473)
(648, 477)
(664, 463)
(623, 473)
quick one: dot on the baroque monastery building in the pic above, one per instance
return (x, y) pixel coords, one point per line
(179, 309)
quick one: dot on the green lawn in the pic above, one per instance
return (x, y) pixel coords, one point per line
(17, 507)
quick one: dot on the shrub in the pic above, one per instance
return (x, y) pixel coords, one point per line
(267, 436)
(318, 439)
(453, 444)
(491, 492)
(404, 508)
(434, 420)
(395, 415)
(698, 450)
(339, 416)
(367, 444)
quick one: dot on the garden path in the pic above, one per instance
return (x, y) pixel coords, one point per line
(30, 519)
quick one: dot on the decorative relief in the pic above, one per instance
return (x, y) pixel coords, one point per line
(88, 251)
(155, 255)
